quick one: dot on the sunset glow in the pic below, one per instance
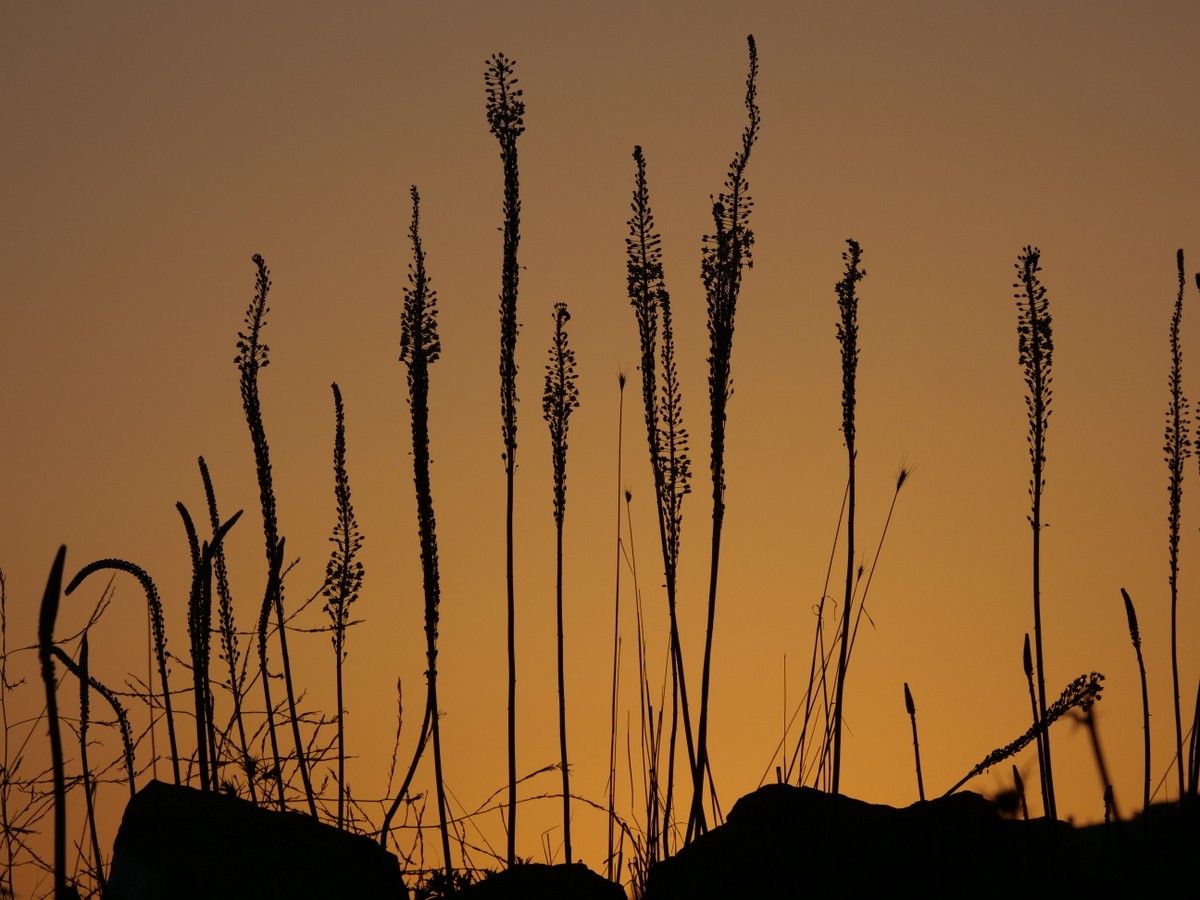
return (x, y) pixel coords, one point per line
(151, 149)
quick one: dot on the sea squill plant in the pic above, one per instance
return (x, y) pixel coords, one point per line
(1136, 637)
(1027, 667)
(419, 349)
(1035, 349)
(158, 632)
(616, 653)
(560, 399)
(911, 709)
(111, 698)
(1177, 447)
(46, 619)
(251, 357)
(724, 256)
(505, 115)
(666, 437)
(89, 785)
(1079, 694)
(227, 629)
(847, 335)
(343, 582)
(200, 636)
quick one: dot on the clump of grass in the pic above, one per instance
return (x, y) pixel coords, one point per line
(419, 349)
(505, 114)
(847, 335)
(1035, 349)
(343, 582)
(253, 356)
(560, 399)
(725, 254)
(1177, 448)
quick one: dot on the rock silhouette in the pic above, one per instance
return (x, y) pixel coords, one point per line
(785, 841)
(178, 843)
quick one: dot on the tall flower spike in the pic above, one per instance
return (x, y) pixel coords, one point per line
(505, 114)
(1035, 348)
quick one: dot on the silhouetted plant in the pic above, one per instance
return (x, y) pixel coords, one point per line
(8, 764)
(1193, 756)
(1136, 637)
(667, 439)
(616, 657)
(724, 255)
(560, 399)
(847, 335)
(200, 634)
(343, 581)
(46, 618)
(505, 114)
(1177, 449)
(228, 632)
(158, 631)
(1019, 789)
(253, 356)
(119, 712)
(419, 349)
(1079, 694)
(901, 479)
(911, 708)
(1035, 348)
(84, 768)
(1027, 667)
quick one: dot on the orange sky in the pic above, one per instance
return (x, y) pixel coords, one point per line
(148, 151)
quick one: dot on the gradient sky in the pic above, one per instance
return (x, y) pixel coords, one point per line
(149, 149)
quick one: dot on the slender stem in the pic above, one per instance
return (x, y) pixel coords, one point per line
(419, 349)
(912, 714)
(505, 112)
(1035, 348)
(1178, 448)
(847, 333)
(46, 619)
(725, 254)
(612, 743)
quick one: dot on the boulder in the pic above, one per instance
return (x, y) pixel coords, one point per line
(786, 841)
(178, 843)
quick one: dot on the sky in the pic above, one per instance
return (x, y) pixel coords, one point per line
(149, 150)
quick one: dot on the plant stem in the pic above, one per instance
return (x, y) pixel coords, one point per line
(1136, 638)
(724, 256)
(561, 398)
(505, 111)
(1178, 448)
(912, 714)
(1035, 348)
(616, 672)
(48, 614)
(419, 349)
(252, 356)
(847, 333)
